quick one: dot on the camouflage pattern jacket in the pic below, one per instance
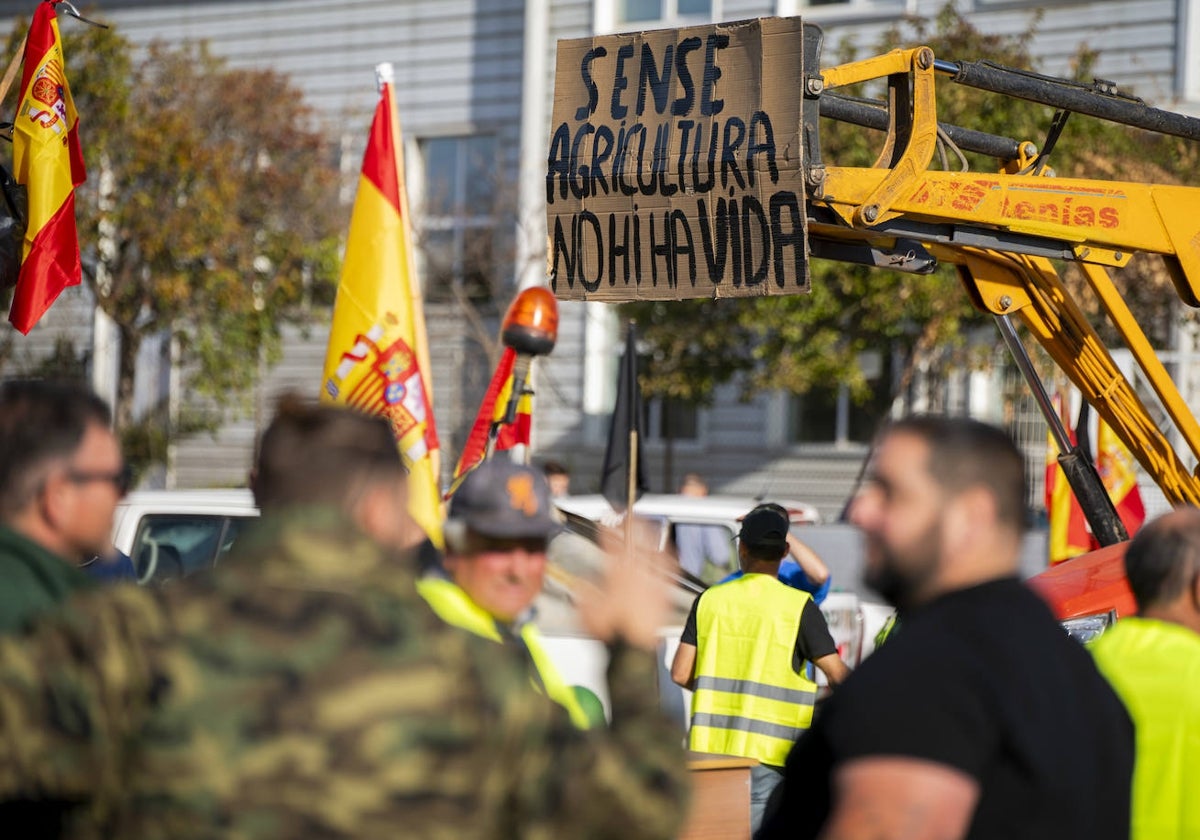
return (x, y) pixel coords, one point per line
(305, 690)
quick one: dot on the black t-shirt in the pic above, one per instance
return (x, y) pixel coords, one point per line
(812, 641)
(985, 681)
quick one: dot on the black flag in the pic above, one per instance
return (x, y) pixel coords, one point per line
(627, 417)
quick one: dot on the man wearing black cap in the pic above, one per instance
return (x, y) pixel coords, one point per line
(499, 524)
(743, 653)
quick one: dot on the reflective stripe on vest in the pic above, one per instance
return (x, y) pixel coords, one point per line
(454, 606)
(742, 724)
(748, 700)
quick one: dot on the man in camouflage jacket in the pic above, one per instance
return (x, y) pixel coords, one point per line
(305, 690)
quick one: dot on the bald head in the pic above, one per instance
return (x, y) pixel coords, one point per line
(1163, 560)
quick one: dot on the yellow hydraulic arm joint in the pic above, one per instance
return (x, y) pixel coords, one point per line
(913, 136)
(1001, 229)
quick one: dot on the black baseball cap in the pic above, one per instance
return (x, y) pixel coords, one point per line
(765, 528)
(505, 500)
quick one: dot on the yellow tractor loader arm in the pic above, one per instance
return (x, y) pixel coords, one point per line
(1004, 231)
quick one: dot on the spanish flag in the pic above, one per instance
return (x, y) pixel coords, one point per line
(378, 355)
(1118, 471)
(1069, 535)
(492, 412)
(48, 160)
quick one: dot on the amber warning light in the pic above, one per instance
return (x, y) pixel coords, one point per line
(530, 325)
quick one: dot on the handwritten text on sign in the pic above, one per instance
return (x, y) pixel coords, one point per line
(674, 167)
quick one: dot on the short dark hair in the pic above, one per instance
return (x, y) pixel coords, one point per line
(554, 468)
(759, 554)
(40, 422)
(1164, 558)
(314, 454)
(967, 453)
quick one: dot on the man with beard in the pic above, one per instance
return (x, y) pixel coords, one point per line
(983, 719)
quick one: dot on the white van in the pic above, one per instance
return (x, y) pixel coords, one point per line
(170, 534)
(716, 517)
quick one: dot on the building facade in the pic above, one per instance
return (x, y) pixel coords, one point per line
(474, 89)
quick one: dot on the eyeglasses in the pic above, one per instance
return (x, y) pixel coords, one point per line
(121, 480)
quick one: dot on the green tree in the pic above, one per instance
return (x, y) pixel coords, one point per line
(210, 212)
(805, 343)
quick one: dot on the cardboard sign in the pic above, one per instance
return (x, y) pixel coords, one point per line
(674, 168)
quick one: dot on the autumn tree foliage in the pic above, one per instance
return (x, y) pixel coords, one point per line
(210, 214)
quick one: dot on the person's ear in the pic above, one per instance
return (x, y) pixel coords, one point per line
(964, 514)
(51, 498)
(381, 514)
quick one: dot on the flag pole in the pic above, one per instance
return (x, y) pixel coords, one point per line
(631, 490)
(385, 75)
(631, 482)
(10, 75)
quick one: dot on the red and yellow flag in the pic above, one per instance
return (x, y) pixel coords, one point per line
(1118, 471)
(492, 411)
(48, 160)
(1069, 535)
(378, 355)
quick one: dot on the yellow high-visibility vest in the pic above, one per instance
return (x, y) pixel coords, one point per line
(1154, 666)
(455, 606)
(748, 700)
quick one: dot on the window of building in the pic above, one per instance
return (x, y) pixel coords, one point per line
(667, 418)
(838, 8)
(457, 236)
(826, 415)
(1187, 79)
(663, 11)
(829, 415)
(623, 15)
